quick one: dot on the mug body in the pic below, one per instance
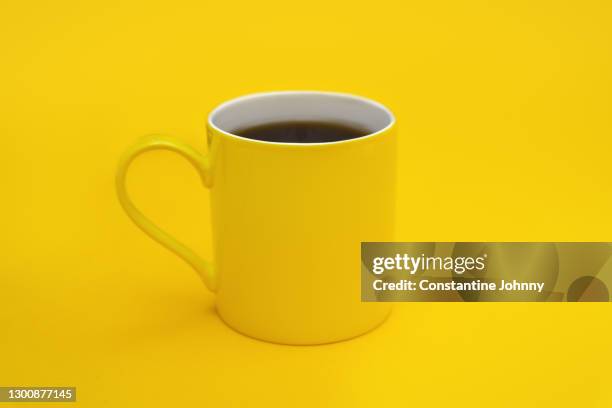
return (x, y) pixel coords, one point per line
(288, 218)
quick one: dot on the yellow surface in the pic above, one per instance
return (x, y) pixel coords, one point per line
(504, 119)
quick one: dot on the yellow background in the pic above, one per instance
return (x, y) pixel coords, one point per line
(504, 112)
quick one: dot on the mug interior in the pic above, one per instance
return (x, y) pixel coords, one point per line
(264, 108)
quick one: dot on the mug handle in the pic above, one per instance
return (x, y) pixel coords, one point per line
(201, 163)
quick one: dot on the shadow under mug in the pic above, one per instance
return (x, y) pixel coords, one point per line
(288, 218)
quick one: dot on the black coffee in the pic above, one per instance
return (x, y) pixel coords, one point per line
(302, 132)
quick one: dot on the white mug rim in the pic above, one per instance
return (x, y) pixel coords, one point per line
(260, 95)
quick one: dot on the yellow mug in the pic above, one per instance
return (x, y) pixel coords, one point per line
(288, 218)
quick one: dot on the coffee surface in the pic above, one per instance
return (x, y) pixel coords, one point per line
(302, 132)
